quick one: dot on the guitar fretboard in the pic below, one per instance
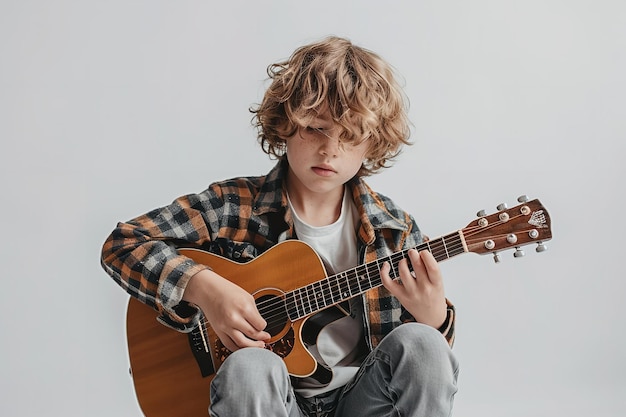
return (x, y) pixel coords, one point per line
(334, 289)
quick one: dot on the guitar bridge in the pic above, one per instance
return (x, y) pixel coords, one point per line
(199, 344)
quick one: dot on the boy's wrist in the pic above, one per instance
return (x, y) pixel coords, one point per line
(197, 286)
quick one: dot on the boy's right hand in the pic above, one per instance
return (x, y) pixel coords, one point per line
(229, 309)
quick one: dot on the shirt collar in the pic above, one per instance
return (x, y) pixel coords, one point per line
(271, 196)
(374, 213)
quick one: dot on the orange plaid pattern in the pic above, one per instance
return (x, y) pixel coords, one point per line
(239, 219)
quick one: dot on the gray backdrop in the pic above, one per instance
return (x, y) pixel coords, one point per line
(111, 108)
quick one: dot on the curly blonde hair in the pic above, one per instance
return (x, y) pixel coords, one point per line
(357, 87)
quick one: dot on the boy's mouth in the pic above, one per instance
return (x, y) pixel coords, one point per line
(323, 170)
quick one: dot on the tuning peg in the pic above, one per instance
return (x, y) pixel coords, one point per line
(541, 247)
(496, 257)
(481, 213)
(522, 198)
(518, 252)
(502, 206)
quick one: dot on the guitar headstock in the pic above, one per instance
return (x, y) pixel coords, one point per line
(526, 223)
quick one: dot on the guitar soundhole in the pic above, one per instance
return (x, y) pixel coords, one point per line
(272, 308)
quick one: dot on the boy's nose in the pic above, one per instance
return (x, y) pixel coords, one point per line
(330, 146)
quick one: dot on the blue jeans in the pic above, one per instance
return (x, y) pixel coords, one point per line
(412, 372)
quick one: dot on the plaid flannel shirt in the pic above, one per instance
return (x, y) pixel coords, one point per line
(239, 219)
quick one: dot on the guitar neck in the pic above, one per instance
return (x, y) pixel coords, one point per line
(310, 299)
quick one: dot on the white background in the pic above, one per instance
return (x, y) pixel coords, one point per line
(111, 108)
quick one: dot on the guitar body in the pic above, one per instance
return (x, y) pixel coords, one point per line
(166, 375)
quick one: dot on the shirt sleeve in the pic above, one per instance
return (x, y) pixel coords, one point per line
(141, 256)
(447, 328)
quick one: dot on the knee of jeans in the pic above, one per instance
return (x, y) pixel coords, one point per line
(421, 354)
(248, 363)
(419, 341)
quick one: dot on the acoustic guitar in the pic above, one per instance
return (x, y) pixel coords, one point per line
(172, 371)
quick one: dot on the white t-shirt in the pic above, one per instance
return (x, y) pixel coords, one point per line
(338, 344)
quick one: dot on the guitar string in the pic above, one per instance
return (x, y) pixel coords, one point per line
(276, 310)
(337, 292)
(308, 305)
(311, 302)
(280, 308)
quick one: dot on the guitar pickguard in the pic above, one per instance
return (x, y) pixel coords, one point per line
(282, 347)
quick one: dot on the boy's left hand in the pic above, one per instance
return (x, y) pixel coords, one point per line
(420, 292)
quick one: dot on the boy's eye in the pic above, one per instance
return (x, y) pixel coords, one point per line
(316, 131)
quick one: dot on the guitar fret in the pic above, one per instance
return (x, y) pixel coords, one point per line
(367, 274)
(291, 297)
(348, 284)
(369, 278)
(393, 274)
(327, 293)
(299, 304)
(319, 296)
(290, 304)
(452, 247)
(443, 241)
(306, 305)
(310, 295)
(438, 249)
(334, 289)
(343, 287)
(310, 292)
(293, 301)
(350, 280)
(316, 296)
(361, 279)
(354, 282)
(458, 247)
(374, 270)
(395, 266)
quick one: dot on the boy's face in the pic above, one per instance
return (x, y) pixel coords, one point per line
(318, 162)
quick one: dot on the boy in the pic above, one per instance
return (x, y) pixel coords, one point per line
(332, 115)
